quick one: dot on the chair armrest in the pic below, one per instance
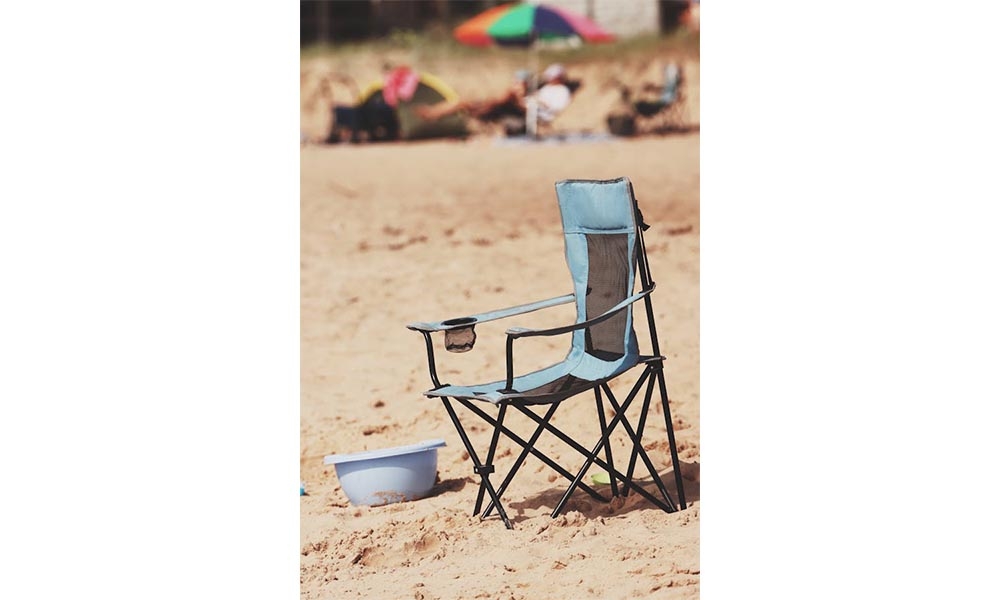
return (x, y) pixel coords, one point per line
(490, 316)
(519, 332)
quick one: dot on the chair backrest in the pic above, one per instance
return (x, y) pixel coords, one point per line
(599, 225)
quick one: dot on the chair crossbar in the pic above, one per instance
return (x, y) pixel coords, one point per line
(592, 455)
(489, 457)
(607, 447)
(523, 455)
(475, 461)
(543, 423)
(565, 438)
(640, 428)
(637, 447)
(521, 442)
(597, 461)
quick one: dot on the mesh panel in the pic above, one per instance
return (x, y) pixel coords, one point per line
(607, 285)
(460, 340)
(563, 387)
(562, 384)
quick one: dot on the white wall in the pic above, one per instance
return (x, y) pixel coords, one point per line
(621, 17)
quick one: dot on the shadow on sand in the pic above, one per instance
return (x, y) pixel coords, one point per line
(590, 508)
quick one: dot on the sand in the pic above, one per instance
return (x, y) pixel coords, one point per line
(401, 232)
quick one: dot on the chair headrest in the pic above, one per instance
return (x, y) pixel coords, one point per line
(596, 205)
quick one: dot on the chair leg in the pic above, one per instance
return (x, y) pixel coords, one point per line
(489, 457)
(482, 470)
(639, 429)
(597, 460)
(520, 457)
(637, 447)
(607, 446)
(678, 480)
(537, 453)
(592, 455)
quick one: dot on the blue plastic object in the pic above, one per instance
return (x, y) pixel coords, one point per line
(385, 476)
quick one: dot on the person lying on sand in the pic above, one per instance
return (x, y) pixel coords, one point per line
(551, 99)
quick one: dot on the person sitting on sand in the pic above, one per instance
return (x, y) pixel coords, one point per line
(554, 96)
(550, 100)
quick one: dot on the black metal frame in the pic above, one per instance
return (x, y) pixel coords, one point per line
(652, 375)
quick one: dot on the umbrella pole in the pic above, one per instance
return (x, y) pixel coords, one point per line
(531, 116)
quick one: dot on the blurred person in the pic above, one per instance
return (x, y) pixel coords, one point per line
(510, 104)
(553, 97)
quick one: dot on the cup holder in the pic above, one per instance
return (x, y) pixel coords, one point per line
(460, 321)
(460, 339)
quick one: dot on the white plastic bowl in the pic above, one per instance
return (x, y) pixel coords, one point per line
(377, 477)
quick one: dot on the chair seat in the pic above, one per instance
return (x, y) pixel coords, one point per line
(545, 386)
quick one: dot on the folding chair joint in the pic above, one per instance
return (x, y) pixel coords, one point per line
(484, 469)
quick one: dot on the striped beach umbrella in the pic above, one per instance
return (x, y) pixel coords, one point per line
(522, 24)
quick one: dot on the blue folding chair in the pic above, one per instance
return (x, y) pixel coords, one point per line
(670, 93)
(603, 229)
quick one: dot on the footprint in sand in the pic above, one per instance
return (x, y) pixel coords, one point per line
(373, 429)
(425, 544)
(369, 556)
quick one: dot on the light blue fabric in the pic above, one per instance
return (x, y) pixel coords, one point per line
(596, 207)
(613, 309)
(493, 315)
(671, 84)
(490, 391)
(588, 208)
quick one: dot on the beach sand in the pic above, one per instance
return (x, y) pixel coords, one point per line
(402, 232)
